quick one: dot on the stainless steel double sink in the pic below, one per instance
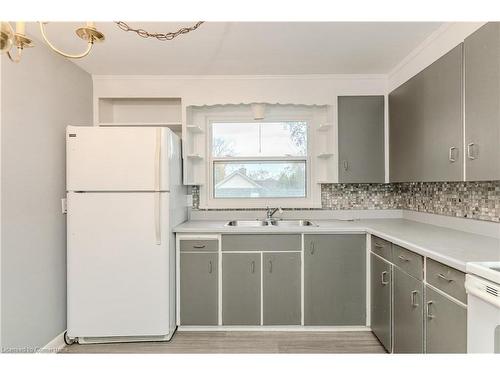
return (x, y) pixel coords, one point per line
(270, 223)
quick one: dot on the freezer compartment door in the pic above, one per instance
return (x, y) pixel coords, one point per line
(118, 264)
(117, 159)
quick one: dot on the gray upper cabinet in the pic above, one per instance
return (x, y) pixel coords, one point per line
(241, 276)
(335, 279)
(446, 324)
(482, 103)
(281, 296)
(198, 289)
(408, 313)
(381, 288)
(361, 139)
(425, 122)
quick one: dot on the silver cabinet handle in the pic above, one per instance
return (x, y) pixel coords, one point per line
(199, 246)
(252, 267)
(345, 163)
(270, 266)
(428, 310)
(470, 154)
(441, 276)
(403, 258)
(210, 267)
(382, 278)
(414, 302)
(378, 246)
(450, 154)
(311, 247)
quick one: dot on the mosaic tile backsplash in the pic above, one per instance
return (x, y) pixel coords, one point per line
(473, 200)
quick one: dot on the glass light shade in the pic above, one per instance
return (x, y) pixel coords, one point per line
(6, 36)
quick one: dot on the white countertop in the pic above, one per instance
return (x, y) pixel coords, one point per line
(449, 246)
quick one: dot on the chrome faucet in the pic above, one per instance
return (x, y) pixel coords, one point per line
(271, 211)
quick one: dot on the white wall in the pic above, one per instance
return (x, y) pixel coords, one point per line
(39, 97)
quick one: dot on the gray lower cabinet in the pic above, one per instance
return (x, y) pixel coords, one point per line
(408, 313)
(425, 123)
(482, 98)
(361, 139)
(261, 242)
(198, 288)
(381, 300)
(241, 275)
(446, 324)
(281, 296)
(335, 279)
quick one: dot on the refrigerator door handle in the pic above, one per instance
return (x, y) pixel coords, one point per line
(157, 214)
(157, 187)
(158, 160)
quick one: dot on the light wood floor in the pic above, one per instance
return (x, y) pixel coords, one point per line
(246, 342)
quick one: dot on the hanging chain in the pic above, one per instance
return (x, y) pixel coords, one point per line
(160, 36)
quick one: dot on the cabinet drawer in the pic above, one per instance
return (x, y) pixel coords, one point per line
(408, 261)
(199, 245)
(447, 279)
(382, 247)
(261, 242)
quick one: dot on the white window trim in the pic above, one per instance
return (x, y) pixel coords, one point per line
(313, 190)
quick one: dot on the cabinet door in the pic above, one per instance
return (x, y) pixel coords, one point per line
(361, 139)
(241, 289)
(408, 313)
(446, 324)
(335, 279)
(281, 277)
(381, 284)
(198, 289)
(482, 98)
(425, 115)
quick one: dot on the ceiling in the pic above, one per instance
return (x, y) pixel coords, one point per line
(247, 48)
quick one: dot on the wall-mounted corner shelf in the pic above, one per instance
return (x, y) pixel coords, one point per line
(194, 129)
(324, 127)
(325, 155)
(194, 156)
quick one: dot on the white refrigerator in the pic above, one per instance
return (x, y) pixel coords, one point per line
(124, 196)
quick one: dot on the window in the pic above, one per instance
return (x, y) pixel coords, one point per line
(259, 159)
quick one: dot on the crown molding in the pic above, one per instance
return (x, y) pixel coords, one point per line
(97, 77)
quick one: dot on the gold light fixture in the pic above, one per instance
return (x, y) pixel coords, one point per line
(6, 37)
(18, 39)
(88, 33)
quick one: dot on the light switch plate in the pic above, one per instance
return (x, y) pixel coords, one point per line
(189, 200)
(64, 206)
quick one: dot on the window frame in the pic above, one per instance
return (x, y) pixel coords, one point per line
(312, 198)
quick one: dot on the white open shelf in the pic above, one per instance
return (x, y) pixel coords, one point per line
(325, 127)
(140, 112)
(194, 142)
(325, 161)
(195, 156)
(194, 129)
(325, 155)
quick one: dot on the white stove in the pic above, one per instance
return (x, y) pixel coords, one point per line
(482, 283)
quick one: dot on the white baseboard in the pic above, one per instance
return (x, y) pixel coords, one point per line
(55, 345)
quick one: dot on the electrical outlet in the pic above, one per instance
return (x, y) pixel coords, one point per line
(189, 200)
